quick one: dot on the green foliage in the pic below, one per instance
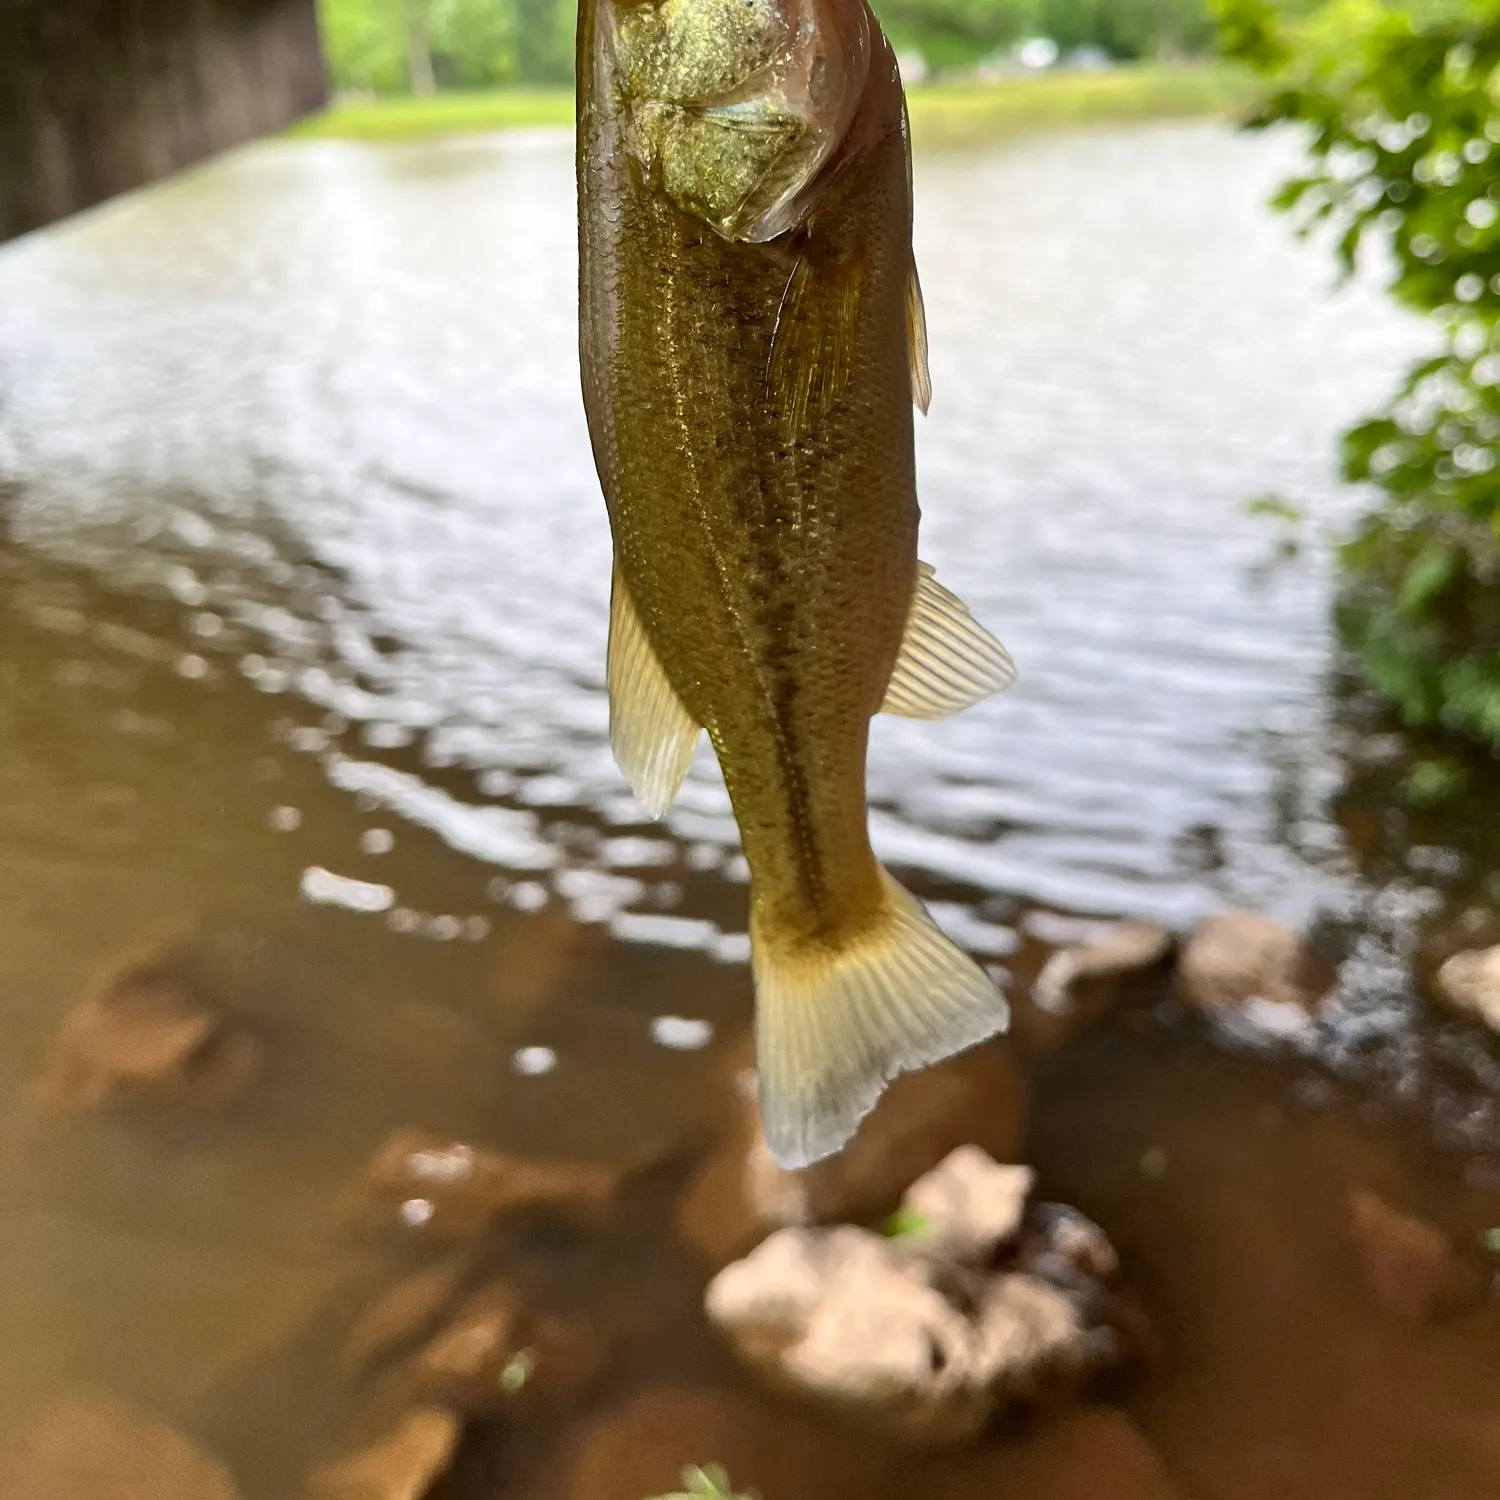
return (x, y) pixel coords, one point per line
(906, 1224)
(366, 44)
(483, 43)
(955, 32)
(1403, 107)
(473, 43)
(711, 1483)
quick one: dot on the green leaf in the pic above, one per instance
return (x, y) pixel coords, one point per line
(1427, 578)
(906, 1224)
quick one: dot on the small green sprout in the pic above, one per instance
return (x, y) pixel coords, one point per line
(906, 1224)
(711, 1483)
(517, 1371)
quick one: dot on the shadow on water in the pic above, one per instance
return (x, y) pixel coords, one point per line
(303, 606)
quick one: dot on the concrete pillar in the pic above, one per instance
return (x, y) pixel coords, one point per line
(99, 96)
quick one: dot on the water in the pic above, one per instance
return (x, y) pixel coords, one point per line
(305, 599)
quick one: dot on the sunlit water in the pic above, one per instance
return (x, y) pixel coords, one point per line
(305, 599)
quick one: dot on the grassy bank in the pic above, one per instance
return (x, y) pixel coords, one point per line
(942, 113)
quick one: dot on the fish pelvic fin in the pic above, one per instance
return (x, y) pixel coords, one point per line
(948, 660)
(652, 734)
(839, 1017)
(916, 343)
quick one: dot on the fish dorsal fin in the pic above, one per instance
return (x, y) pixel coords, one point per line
(916, 343)
(812, 350)
(948, 660)
(652, 734)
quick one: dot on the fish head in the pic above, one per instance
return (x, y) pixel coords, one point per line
(732, 108)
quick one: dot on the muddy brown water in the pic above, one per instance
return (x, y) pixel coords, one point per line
(303, 599)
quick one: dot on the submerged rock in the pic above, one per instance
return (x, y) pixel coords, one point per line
(403, 1465)
(1410, 1266)
(1081, 983)
(641, 1447)
(450, 1189)
(406, 1311)
(923, 1331)
(87, 1446)
(741, 1194)
(154, 1027)
(1240, 958)
(1091, 1454)
(1470, 982)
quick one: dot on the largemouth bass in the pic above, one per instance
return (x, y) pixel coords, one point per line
(752, 343)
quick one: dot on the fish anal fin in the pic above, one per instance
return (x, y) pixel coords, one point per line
(916, 343)
(812, 350)
(652, 734)
(837, 1020)
(948, 660)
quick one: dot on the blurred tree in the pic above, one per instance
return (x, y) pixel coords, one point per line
(1404, 114)
(477, 42)
(385, 46)
(366, 44)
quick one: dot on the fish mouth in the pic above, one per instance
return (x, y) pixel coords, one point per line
(732, 108)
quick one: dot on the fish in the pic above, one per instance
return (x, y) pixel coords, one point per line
(752, 343)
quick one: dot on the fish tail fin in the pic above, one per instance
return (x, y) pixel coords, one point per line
(838, 1018)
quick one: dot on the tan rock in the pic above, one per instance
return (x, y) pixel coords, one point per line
(1410, 1265)
(1241, 957)
(153, 1027)
(969, 1205)
(87, 1446)
(881, 1329)
(1470, 982)
(404, 1465)
(451, 1189)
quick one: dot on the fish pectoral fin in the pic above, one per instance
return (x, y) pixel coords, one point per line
(837, 1020)
(812, 349)
(948, 660)
(916, 343)
(652, 734)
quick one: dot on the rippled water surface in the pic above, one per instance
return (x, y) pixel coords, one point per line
(305, 590)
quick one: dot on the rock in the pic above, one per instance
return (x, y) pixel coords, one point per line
(1079, 984)
(461, 1367)
(1055, 1230)
(453, 1190)
(1240, 958)
(88, 1446)
(406, 1312)
(968, 1206)
(152, 1028)
(1410, 1266)
(567, 1357)
(641, 1447)
(977, 1098)
(1091, 1454)
(401, 1466)
(1470, 982)
(497, 1354)
(882, 1329)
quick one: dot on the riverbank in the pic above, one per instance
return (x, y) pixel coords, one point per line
(942, 113)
